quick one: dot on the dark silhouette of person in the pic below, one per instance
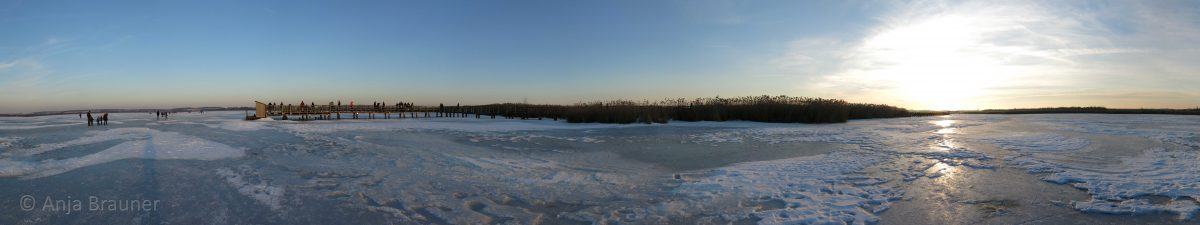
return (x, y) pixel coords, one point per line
(89, 114)
(104, 119)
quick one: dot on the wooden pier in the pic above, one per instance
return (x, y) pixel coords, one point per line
(312, 111)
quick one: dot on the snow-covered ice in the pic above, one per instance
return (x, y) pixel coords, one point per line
(142, 143)
(501, 171)
(820, 189)
(1166, 168)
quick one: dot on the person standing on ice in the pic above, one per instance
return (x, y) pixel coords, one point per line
(89, 114)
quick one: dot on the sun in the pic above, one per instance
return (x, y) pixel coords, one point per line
(940, 63)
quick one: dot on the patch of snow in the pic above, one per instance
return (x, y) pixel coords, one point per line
(821, 189)
(7, 143)
(1186, 209)
(1117, 189)
(153, 144)
(27, 127)
(519, 137)
(93, 137)
(240, 125)
(247, 182)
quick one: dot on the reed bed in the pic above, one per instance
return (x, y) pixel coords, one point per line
(771, 109)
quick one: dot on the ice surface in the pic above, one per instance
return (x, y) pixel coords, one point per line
(821, 189)
(1119, 188)
(773, 134)
(453, 124)
(717, 137)
(240, 125)
(7, 143)
(1038, 142)
(93, 137)
(525, 137)
(485, 171)
(37, 126)
(146, 143)
(248, 182)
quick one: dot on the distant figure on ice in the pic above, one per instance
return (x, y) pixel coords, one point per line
(89, 114)
(104, 119)
(354, 113)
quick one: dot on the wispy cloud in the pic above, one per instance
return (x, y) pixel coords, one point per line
(25, 78)
(952, 54)
(53, 41)
(22, 77)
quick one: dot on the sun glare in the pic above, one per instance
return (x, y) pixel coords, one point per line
(939, 63)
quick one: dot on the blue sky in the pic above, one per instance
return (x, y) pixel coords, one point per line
(57, 55)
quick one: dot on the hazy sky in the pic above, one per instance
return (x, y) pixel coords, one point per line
(57, 55)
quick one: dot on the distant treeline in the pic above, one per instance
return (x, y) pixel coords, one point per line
(1090, 109)
(772, 109)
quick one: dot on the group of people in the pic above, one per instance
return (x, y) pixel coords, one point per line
(100, 120)
(161, 114)
(335, 108)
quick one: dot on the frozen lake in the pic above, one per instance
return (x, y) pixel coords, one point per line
(215, 168)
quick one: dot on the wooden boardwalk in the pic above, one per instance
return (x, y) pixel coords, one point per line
(402, 111)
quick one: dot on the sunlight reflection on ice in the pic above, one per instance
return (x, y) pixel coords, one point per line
(944, 123)
(942, 170)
